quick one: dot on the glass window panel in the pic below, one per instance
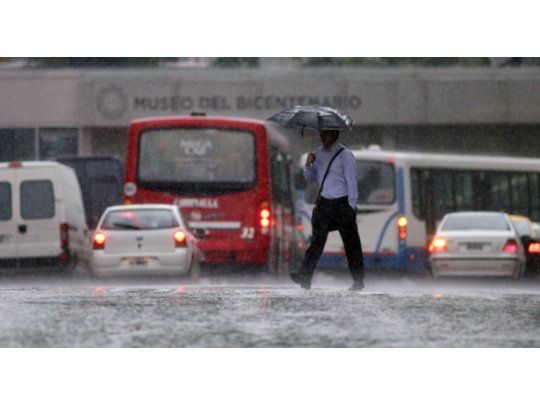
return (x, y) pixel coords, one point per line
(463, 191)
(523, 227)
(533, 183)
(17, 144)
(37, 199)
(467, 222)
(499, 192)
(376, 184)
(5, 201)
(197, 155)
(520, 193)
(415, 191)
(203, 160)
(443, 194)
(534, 213)
(55, 142)
(139, 219)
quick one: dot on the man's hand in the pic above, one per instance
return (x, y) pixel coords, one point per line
(310, 158)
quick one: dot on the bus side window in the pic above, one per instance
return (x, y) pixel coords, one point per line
(534, 190)
(417, 194)
(520, 193)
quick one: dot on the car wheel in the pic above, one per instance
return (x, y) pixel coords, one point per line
(430, 271)
(517, 275)
(195, 270)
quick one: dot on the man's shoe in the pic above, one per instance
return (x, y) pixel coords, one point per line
(304, 282)
(357, 286)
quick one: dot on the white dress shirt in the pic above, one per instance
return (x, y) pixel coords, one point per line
(341, 180)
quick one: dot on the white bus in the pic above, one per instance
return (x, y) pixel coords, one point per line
(404, 195)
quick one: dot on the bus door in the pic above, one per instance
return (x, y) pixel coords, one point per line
(282, 206)
(428, 203)
(377, 202)
(443, 191)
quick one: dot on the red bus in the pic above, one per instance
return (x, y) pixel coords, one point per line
(231, 178)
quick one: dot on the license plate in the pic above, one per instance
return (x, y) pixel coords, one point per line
(475, 246)
(138, 260)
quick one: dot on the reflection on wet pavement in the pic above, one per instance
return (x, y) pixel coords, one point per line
(256, 313)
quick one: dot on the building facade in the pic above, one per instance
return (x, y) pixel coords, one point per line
(49, 113)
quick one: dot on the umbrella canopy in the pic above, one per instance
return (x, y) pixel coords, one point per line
(314, 117)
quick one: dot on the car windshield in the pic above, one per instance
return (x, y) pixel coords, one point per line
(139, 219)
(522, 228)
(485, 222)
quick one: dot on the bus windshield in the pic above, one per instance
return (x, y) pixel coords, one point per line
(197, 160)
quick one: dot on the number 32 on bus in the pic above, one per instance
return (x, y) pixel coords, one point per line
(231, 177)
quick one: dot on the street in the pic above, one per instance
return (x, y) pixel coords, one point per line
(51, 311)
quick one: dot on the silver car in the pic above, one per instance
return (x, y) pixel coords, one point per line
(145, 239)
(476, 244)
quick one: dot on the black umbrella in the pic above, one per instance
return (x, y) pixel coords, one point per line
(314, 117)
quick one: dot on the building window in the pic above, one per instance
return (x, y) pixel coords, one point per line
(55, 142)
(17, 144)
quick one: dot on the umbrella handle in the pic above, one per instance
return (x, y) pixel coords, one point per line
(302, 131)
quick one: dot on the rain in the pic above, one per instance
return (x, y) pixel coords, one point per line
(165, 203)
(237, 298)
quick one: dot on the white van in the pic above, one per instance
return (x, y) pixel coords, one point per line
(42, 221)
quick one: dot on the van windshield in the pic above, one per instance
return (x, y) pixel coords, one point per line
(139, 219)
(198, 160)
(471, 222)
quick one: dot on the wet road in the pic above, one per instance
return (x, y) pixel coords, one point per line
(395, 312)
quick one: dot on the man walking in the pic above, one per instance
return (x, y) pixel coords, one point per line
(334, 167)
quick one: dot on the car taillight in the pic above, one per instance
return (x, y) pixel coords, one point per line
(264, 215)
(99, 241)
(64, 236)
(179, 239)
(534, 247)
(510, 246)
(438, 245)
(64, 241)
(402, 228)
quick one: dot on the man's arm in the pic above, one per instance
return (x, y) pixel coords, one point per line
(349, 165)
(309, 168)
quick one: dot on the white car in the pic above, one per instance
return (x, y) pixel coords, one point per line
(476, 244)
(145, 239)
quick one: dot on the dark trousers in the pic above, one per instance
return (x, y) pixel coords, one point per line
(332, 215)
